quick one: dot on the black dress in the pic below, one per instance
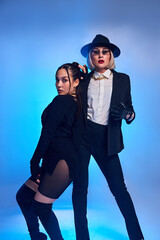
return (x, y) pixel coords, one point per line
(56, 140)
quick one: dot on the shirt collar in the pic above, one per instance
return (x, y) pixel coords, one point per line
(106, 74)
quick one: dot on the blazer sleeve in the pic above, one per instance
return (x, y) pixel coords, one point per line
(55, 116)
(128, 100)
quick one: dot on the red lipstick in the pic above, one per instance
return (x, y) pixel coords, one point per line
(100, 61)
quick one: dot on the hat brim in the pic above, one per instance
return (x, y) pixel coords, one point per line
(85, 50)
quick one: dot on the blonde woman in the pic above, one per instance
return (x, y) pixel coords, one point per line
(106, 102)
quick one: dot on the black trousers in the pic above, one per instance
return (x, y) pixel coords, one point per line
(95, 144)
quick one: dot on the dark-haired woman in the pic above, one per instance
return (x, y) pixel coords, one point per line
(58, 150)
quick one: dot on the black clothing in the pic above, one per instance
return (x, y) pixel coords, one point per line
(104, 143)
(53, 185)
(56, 142)
(57, 146)
(24, 198)
(95, 144)
(120, 94)
(48, 219)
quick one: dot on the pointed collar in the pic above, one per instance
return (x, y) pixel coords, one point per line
(106, 74)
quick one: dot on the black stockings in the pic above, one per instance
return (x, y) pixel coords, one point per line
(54, 185)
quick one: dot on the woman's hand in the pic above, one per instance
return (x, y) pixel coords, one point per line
(35, 168)
(119, 112)
(38, 179)
(84, 71)
(83, 68)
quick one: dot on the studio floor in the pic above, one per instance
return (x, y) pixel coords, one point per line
(104, 224)
(13, 226)
(104, 218)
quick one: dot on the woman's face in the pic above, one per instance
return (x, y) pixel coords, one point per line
(63, 85)
(100, 57)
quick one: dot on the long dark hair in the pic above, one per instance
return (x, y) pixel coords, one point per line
(76, 73)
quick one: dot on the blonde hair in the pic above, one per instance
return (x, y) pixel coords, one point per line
(111, 64)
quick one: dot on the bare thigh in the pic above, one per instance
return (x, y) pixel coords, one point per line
(32, 185)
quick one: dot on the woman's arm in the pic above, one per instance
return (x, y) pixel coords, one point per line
(128, 102)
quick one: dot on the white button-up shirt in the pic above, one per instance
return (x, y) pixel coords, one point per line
(99, 97)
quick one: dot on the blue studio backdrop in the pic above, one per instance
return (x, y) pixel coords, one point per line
(36, 37)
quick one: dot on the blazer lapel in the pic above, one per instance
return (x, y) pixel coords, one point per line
(115, 88)
(84, 94)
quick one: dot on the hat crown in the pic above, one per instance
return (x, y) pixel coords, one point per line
(100, 39)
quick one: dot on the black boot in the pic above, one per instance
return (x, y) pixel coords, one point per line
(25, 197)
(48, 219)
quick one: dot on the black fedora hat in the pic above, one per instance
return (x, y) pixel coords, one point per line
(100, 41)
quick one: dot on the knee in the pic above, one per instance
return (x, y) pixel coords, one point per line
(24, 195)
(19, 196)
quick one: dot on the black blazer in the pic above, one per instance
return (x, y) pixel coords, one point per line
(120, 93)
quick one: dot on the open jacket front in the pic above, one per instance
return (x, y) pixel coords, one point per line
(120, 93)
